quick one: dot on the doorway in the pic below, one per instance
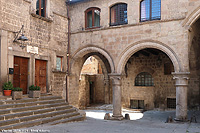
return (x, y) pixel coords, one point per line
(20, 77)
(41, 75)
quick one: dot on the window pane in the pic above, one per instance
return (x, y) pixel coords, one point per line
(89, 19)
(58, 63)
(144, 79)
(156, 5)
(37, 7)
(145, 10)
(119, 14)
(96, 18)
(122, 11)
(43, 6)
(113, 15)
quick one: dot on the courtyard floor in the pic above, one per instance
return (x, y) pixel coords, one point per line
(147, 122)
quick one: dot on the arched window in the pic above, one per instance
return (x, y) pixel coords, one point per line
(144, 79)
(118, 14)
(150, 10)
(41, 7)
(92, 18)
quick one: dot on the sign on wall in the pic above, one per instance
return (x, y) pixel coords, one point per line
(32, 49)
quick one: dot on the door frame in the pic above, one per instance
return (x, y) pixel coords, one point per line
(47, 72)
(28, 74)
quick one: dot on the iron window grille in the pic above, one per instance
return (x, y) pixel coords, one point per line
(137, 104)
(118, 14)
(171, 103)
(41, 8)
(92, 18)
(144, 79)
(150, 10)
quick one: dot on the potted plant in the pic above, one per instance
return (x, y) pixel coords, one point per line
(34, 91)
(17, 93)
(7, 88)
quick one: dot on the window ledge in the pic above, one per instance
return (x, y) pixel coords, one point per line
(127, 25)
(92, 28)
(42, 18)
(144, 86)
(62, 72)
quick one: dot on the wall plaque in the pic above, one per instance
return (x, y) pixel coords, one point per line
(32, 49)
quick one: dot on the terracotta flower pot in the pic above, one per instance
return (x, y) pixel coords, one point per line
(7, 92)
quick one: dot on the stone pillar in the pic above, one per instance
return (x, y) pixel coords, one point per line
(3, 58)
(107, 91)
(117, 107)
(181, 84)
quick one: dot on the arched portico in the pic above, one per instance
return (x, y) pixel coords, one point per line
(191, 18)
(76, 64)
(149, 44)
(180, 76)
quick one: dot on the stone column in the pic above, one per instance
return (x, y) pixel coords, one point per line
(117, 107)
(181, 84)
(106, 91)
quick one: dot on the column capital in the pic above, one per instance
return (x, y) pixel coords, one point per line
(116, 78)
(181, 78)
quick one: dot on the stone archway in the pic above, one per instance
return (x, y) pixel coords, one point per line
(149, 44)
(191, 18)
(180, 77)
(76, 64)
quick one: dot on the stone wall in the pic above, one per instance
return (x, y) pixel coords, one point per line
(49, 34)
(84, 89)
(117, 39)
(154, 96)
(167, 33)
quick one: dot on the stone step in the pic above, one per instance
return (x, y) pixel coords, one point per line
(35, 117)
(33, 112)
(6, 106)
(28, 112)
(71, 119)
(36, 122)
(29, 108)
(29, 100)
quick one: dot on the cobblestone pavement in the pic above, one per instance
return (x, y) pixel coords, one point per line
(147, 122)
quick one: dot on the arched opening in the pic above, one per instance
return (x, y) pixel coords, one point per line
(89, 82)
(94, 83)
(194, 64)
(148, 82)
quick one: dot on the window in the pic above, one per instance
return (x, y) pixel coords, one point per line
(92, 18)
(144, 79)
(171, 103)
(137, 104)
(41, 8)
(59, 63)
(150, 10)
(118, 14)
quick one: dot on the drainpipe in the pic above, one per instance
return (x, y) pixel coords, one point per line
(68, 49)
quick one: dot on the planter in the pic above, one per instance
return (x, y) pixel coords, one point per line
(16, 95)
(7, 92)
(34, 94)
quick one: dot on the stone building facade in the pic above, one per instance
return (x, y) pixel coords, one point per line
(42, 61)
(146, 60)
(126, 50)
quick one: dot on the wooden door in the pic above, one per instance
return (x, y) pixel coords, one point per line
(20, 77)
(40, 74)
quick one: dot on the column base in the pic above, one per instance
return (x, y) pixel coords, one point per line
(117, 117)
(180, 120)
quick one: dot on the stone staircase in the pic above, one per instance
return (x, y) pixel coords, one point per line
(27, 112)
